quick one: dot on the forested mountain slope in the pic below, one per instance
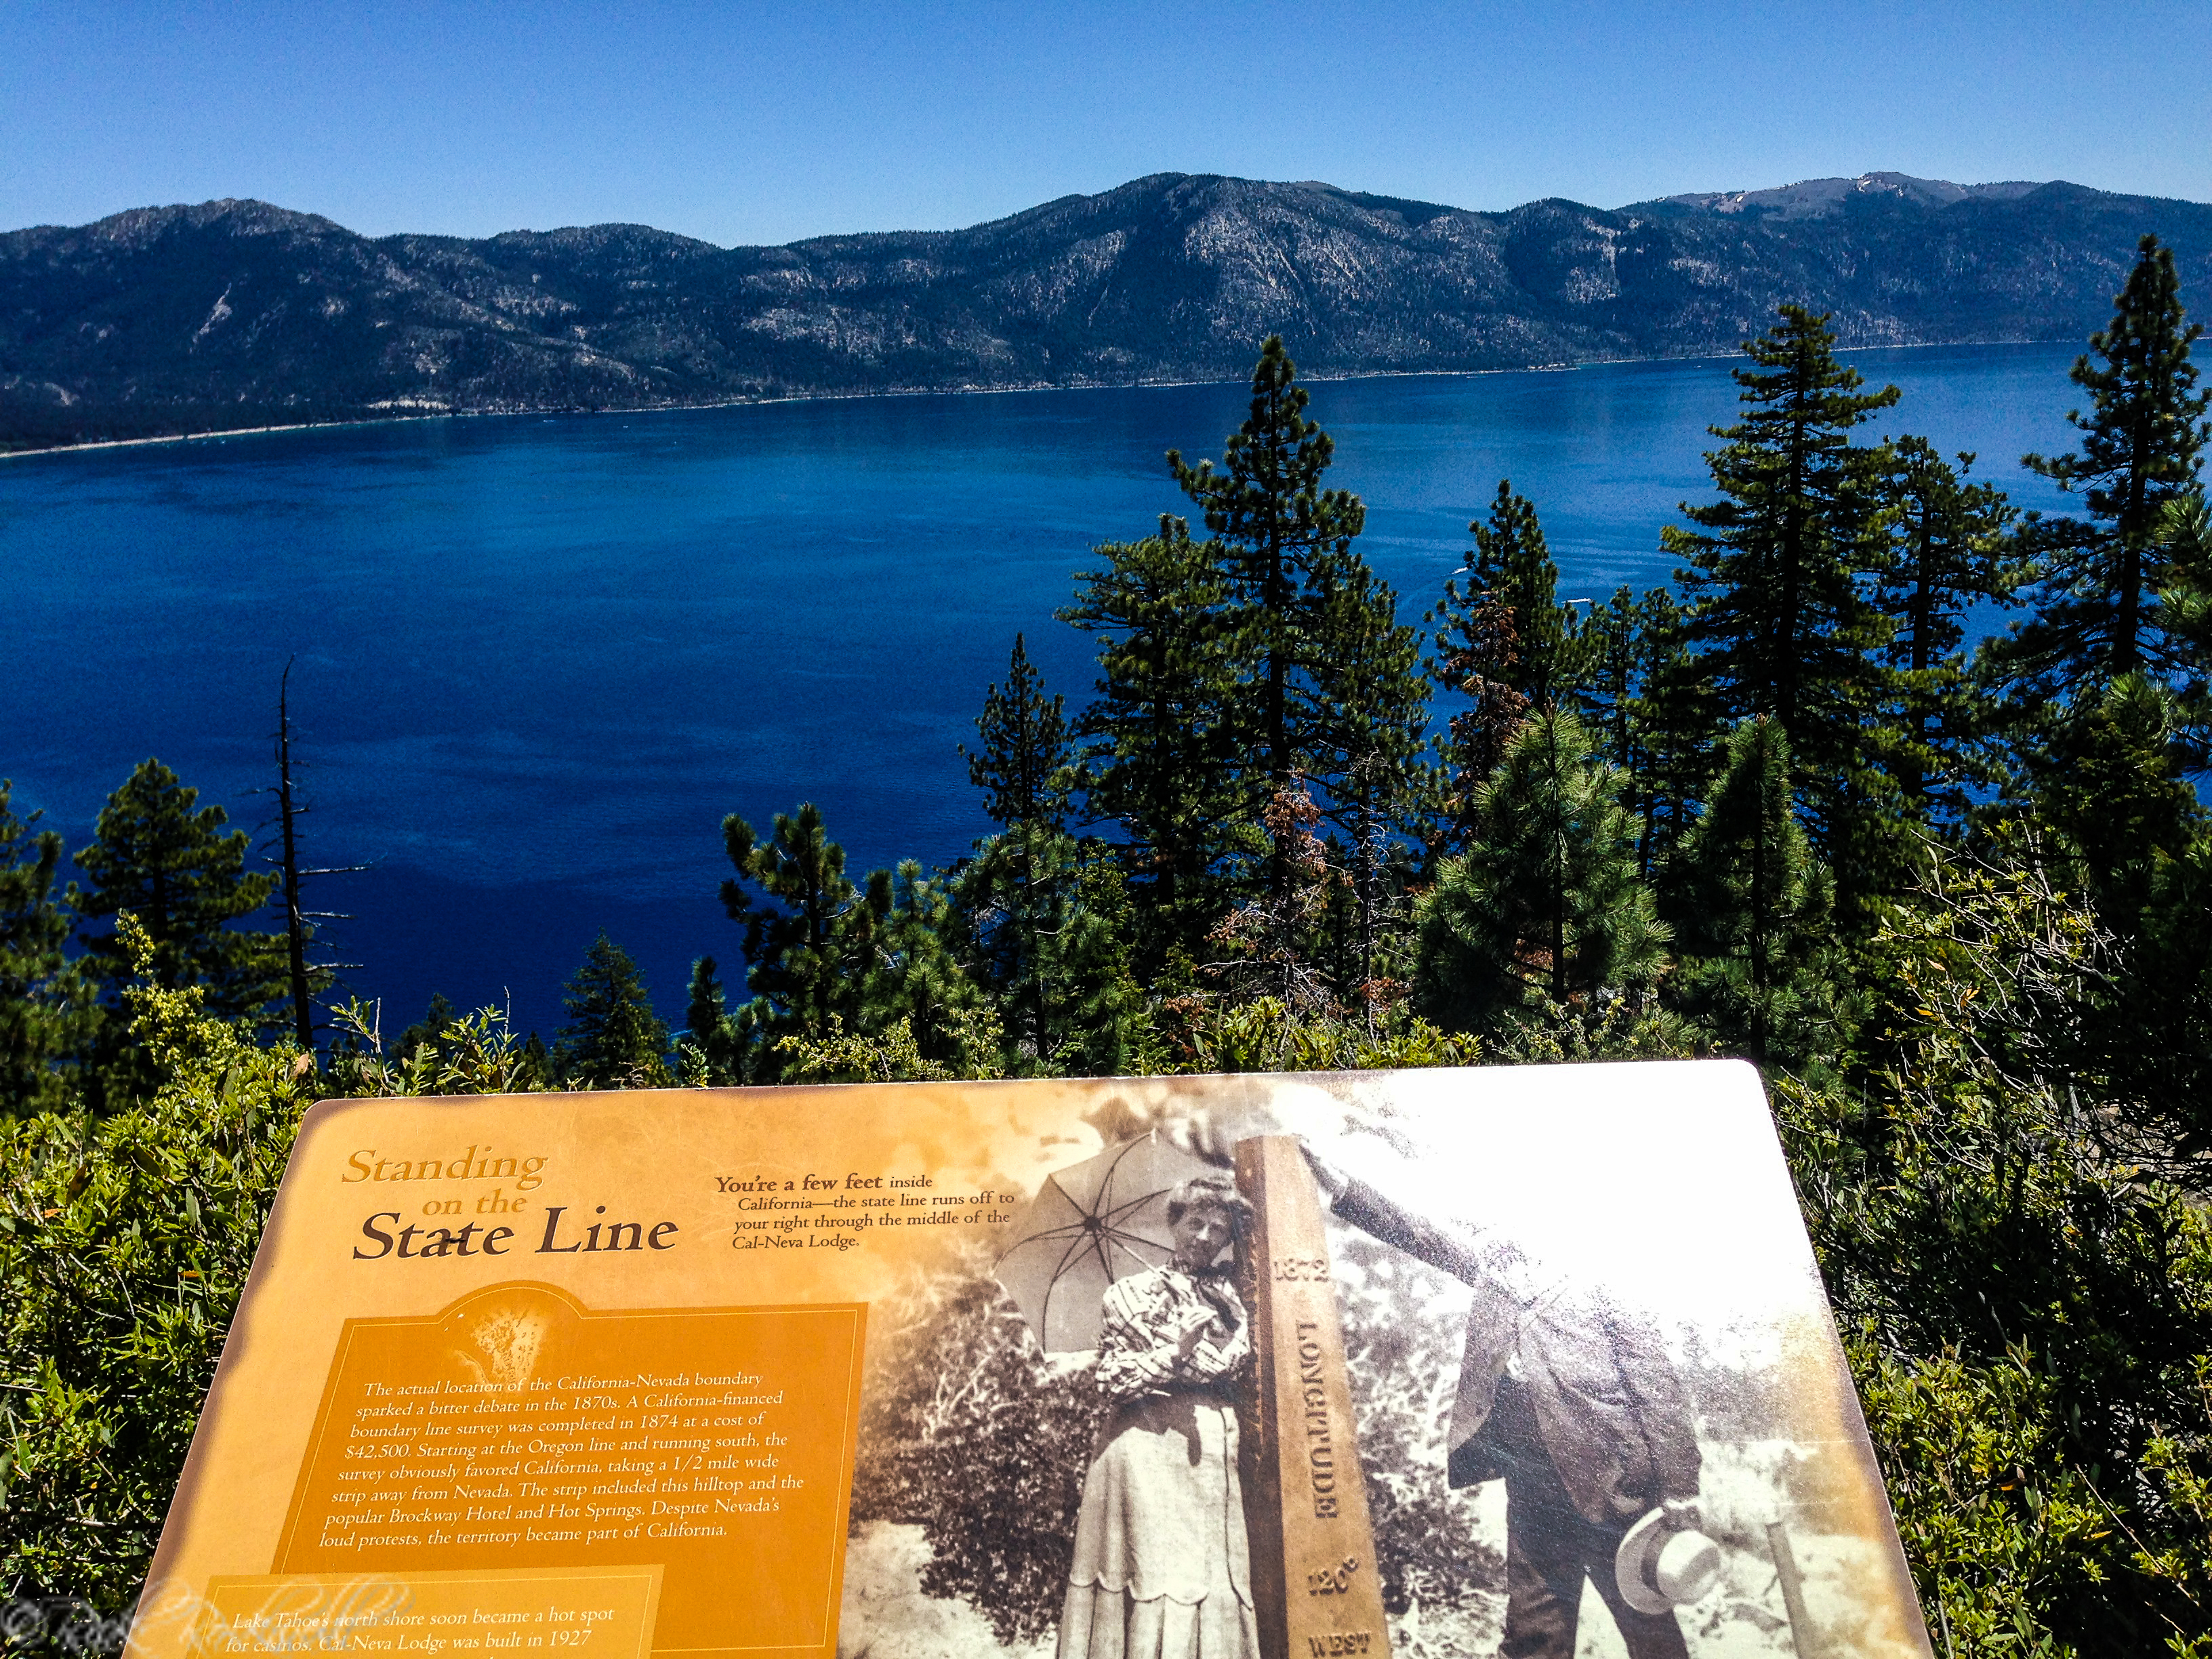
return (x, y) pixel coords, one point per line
(237, 314)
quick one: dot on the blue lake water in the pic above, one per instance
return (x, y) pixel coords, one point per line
(536, 660)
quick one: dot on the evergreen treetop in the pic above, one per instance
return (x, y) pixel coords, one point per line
(1478, 658)
(1022, 763)
(1756, 907)
(806, 946)
(914, 977)
(1045, 930)
(1276, 527)
(1941, 548)
(160, 856)
(613, 1040)
(709, 1050)
(1370, 710)
(1512, 563)
(1672, 722)
(2142, 443)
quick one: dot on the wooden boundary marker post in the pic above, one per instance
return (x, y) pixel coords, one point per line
(1314, 1582)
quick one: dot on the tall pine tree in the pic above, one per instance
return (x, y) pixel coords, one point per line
(1512, 563)
(1943, 550)
(914, 976)
(1612, 668)
(1277, 530)
(1778, 609)
(2107, 777)
(1047, 932)
(1641, 696)
(1478, 661)
(809, 938)
(1016, 906)
(710, 1051)
(1158, 751)
(2093, 581)
(1370, 725)
(1673, 729)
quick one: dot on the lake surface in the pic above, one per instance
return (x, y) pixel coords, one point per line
(536, 660)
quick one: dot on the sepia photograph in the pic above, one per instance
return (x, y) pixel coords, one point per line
(1595, 1405)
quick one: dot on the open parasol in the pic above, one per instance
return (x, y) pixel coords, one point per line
(1089, 1225)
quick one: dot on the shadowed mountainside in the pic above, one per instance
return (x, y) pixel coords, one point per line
(236, 313)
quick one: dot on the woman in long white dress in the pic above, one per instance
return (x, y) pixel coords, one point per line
(1162, 1567)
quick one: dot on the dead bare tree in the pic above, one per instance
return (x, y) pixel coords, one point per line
(299, 921)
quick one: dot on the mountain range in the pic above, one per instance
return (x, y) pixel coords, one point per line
(232, 314)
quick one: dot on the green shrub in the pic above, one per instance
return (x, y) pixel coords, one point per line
(125, 1242)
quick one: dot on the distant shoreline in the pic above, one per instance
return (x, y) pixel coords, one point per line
(944, 391)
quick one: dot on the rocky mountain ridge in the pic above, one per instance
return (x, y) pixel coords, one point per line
(238, 313)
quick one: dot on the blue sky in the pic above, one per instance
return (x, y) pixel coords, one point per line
(743, 123)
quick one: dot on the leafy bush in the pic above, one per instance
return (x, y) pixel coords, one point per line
(125, 1242)
(2030, 1301)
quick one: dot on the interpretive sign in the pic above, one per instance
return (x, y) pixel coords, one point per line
(1301, 1367)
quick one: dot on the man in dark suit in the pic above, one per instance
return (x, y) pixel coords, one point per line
(1572, 1401)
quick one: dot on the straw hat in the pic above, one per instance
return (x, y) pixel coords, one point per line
(1658, 1568)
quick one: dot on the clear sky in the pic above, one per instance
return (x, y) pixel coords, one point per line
(756, 123)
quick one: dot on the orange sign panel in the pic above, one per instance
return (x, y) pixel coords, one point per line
(516, 1426)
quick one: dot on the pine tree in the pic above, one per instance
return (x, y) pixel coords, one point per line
(1671, 714)
(2184, 602)
(1778, 607)
(2107, 779)
(1370, 727)
(709, 1052)
(1013, 898)
(1158, 751)
(809, 944)
(1512, 563)
(1045, 928)
(172, 867)
(306, 977)
(914, 974)
(1611, 670)
(1753, 928)
(1277, 529)
(1942, 551)
(1637, 695)
(47, 1016)
(1548, 904)
(2092, 582)
(613, 1040)
(1022, 765)
(1477, 659)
